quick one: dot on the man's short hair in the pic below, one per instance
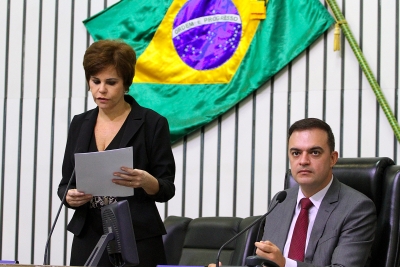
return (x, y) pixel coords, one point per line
(313, 123)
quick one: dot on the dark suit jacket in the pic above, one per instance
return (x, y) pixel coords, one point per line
(148, 133)
(343, 230)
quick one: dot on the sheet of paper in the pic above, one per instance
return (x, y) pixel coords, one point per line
(94, 172)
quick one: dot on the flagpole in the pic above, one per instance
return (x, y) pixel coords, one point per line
(365, 67)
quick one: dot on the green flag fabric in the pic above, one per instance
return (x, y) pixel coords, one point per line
(198, 58)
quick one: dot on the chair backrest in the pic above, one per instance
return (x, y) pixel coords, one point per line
(197, 241)
(379, 179)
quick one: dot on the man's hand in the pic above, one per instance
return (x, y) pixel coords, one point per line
(270, 251)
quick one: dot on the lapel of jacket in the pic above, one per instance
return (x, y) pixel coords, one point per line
(328, 204)
(283, 220)
(86, 131)
(134, 121)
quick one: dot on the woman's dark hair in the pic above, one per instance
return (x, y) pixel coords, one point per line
(313, 123)
(105, 53)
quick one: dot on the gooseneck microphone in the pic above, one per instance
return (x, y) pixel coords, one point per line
(279, 198)
(46, 260)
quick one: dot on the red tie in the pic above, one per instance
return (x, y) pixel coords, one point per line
(298, 243)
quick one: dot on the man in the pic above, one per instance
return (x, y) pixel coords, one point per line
(341, 221)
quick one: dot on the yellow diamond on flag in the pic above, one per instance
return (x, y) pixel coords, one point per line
(198, 42)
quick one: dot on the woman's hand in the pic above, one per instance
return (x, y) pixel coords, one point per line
(136, 178)
(76, 198)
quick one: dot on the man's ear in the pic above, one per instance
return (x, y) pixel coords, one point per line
(334, 158)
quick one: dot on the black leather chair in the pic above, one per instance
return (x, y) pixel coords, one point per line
(197, 241)
(379, 179)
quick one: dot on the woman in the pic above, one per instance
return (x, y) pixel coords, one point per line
(119, 121)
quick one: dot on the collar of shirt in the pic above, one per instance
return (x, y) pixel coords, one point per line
(316, 199)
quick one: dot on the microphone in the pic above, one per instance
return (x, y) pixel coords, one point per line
(279, 198)
(46, 249)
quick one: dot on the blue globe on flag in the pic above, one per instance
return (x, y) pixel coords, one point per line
(207, 33)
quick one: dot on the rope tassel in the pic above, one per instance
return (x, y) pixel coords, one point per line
(336, 38)
(336, 35)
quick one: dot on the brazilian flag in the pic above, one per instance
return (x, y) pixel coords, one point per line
(198, 58)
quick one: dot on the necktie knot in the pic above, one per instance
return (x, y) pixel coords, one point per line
(306, 203)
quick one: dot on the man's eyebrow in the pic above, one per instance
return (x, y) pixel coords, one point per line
(316, 147)
(311, 148)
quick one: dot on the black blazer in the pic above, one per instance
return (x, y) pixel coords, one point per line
(148, 133)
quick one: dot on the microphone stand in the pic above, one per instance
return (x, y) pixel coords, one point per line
(46, 259)
(281, 196)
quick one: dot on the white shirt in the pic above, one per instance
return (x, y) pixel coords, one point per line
(316, 199)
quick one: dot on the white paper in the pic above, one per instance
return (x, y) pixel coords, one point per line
(94, 172)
